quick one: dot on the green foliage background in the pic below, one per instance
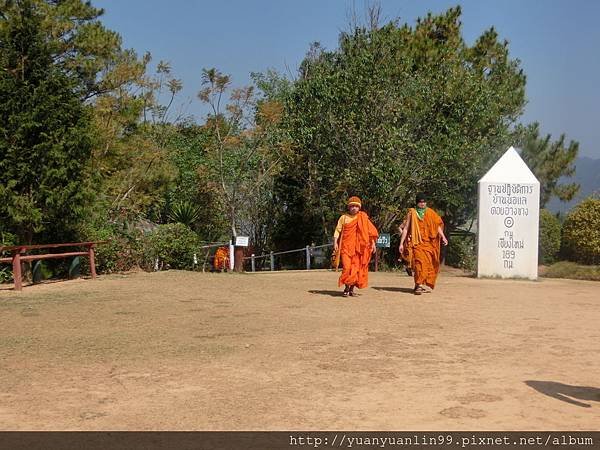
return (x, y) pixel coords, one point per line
(549, 237)
(91, 147)
(581, 232)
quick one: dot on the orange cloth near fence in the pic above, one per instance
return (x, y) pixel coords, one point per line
(357, 239)
(425, 243)
(221, 261)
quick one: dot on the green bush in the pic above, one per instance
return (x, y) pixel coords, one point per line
(6, 239)
(122, 250)
(461, 252)
(549, 237)
(581, 233)
(5, 274)
(172, 245)
(573, 271)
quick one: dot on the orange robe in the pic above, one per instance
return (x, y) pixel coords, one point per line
(221, 261)
(356, 243)
(407, 256)
(425, 242)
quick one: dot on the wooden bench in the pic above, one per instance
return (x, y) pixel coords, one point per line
(19, 255)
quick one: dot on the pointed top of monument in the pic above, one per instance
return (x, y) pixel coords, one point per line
(510, 168)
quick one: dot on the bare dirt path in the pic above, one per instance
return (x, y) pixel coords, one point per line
(283, 351)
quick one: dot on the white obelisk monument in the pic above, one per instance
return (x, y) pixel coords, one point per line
(508, 220)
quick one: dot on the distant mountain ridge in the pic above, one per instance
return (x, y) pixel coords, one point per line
(587, 174)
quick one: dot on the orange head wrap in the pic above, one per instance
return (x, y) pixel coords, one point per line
(354, 201)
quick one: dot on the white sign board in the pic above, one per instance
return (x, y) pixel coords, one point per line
(508, 220)
(241, 241)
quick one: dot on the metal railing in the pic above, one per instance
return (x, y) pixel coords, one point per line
(215, 244)
(309, 251)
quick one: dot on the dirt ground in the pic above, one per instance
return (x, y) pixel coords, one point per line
(284, 351)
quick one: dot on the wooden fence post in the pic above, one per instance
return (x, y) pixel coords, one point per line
(238, 264)
(16, 262)
(92, 255)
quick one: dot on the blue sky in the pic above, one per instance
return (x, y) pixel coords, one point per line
(558, 42)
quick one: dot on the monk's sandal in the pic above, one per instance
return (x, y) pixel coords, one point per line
(419, 290)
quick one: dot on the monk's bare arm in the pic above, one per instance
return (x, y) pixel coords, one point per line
(442, 235)
(404, 233)
(336, 233)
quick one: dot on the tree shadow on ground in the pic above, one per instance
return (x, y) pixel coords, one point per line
(395, 289)
(565, 392)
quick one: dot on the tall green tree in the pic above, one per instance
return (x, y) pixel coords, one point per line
(193, 198)
(245, 151)
(45, 140)
(128, 167)
(130, 162)
(396, 110)
(549, 161)
(84, 49)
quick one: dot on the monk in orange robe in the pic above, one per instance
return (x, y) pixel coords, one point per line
(354, 237)
(426, 230)
(221, 261)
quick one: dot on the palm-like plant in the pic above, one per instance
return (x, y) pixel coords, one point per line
(184, 212)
